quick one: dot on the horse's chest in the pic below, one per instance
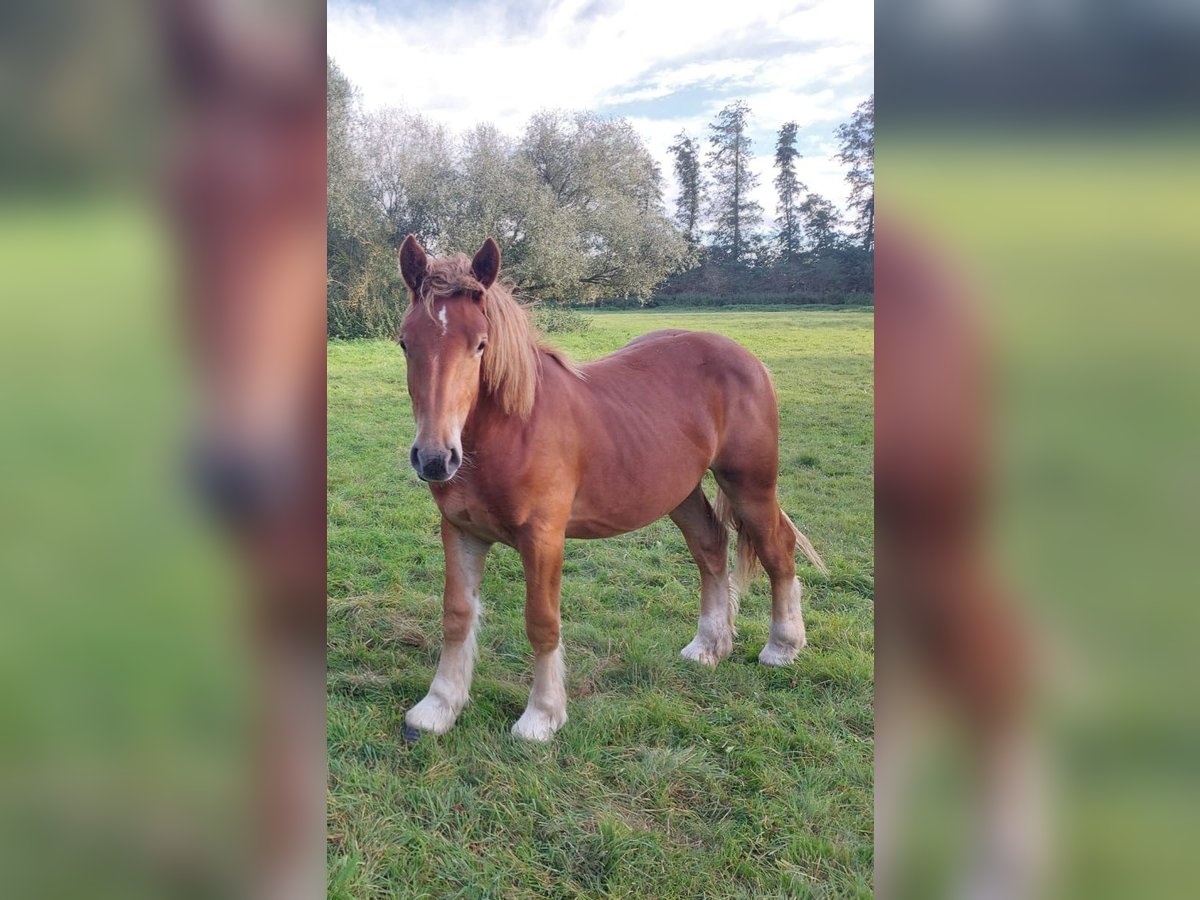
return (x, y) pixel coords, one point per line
(468, 511)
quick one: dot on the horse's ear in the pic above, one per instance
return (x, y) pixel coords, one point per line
(486, 264)
(413, 263)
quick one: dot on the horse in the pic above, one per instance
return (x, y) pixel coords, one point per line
(521, 446)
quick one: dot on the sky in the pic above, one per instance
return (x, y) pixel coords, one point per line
(665, 65)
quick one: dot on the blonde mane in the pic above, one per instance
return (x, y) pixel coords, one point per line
(512, 359)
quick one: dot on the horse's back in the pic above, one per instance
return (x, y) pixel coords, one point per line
(654, 336)
(691, 350)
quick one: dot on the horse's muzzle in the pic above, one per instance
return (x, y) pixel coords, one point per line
(435, 463)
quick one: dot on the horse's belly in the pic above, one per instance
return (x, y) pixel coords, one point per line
(590, 527)
(622, 506)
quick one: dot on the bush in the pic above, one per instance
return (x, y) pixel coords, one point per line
(365, 296)
(363, 317)
(860, 298)
(555, 319)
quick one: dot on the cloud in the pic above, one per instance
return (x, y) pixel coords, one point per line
(666, 66)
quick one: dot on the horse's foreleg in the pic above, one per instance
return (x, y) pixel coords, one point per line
(451, 686)
(542, 556)
(708, 541)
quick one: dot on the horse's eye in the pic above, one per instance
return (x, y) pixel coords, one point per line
(482, 344)
(403, 346)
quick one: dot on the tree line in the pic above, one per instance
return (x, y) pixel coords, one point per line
(576, 203)
(810, 255)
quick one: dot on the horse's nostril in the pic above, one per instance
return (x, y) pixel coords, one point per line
(413, 458)
(455, 456)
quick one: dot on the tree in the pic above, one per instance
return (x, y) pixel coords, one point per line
(858, 152)
(492, 196)
(605, 231)
(734, 214)
(362, 293)
(345, 178)
(789, 188)
(821, 222)
(688, 207)
(410, 173)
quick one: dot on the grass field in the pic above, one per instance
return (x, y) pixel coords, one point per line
(669, 780)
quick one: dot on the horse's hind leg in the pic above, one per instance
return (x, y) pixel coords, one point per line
(708, 541)
(766, 532)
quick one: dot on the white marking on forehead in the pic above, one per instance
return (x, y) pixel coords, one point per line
(442, 318)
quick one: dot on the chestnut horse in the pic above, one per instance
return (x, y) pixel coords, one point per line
(521, 446)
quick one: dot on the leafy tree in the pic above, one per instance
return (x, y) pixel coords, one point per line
(342, 164)
(821, 221)
(606, 231)
(497, 192)
(789, 187)
(549, 146)
(410, 174)
(734, 214)
(858, 152)
(361, 281)
(688, 208)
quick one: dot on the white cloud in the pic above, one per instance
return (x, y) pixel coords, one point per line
(464, 65)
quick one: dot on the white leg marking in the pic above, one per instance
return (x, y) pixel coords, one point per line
(451, 686)
(714, 634)
(450, 689)
(787, 636)
(547, 709)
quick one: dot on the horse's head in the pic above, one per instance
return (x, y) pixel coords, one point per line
(444, 336)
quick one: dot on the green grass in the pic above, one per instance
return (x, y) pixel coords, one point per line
(669, 780)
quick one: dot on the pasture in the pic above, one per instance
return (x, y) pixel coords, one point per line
(670, 779)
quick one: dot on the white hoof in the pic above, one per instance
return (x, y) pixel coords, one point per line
(432, 714)
(707, 652)
(538, 725)
(777, 653)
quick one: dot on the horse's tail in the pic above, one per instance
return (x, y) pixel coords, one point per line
(746, 559)
(806, 547)
(747, 563)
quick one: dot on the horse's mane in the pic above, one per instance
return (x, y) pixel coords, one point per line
(512, 359)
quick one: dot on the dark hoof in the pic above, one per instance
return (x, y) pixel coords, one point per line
(411, 735)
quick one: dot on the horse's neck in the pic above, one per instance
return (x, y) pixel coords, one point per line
(489, 419)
